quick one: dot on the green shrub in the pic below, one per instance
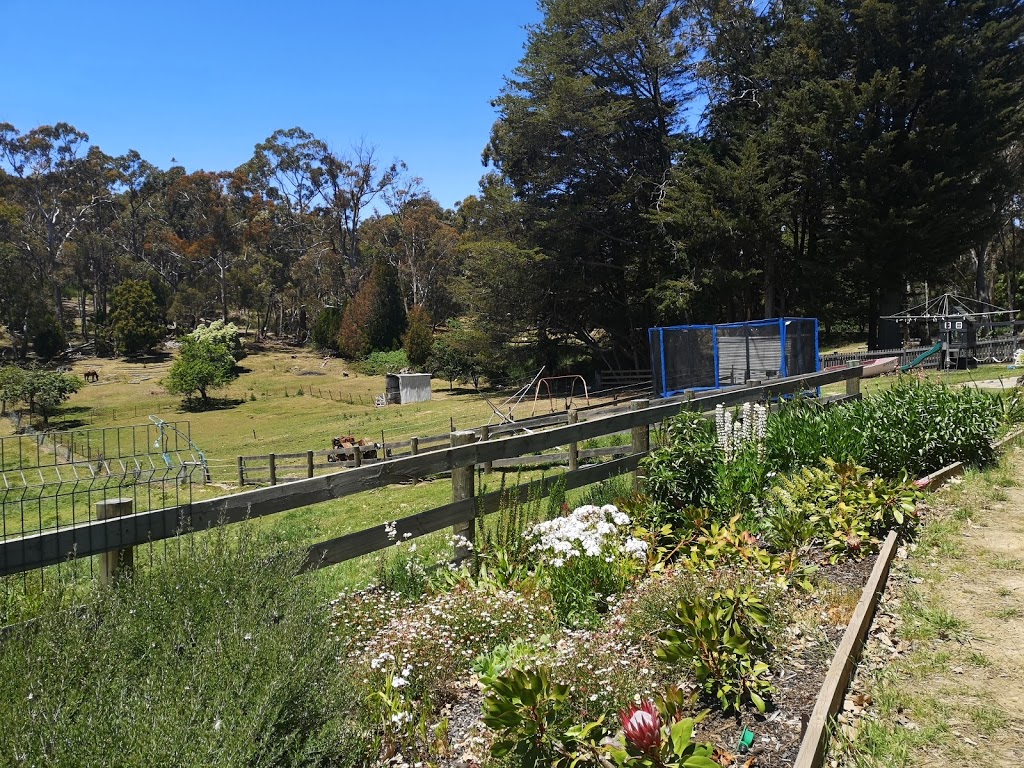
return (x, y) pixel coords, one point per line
(682, 473)
(915, 426)
(378, 363)
(324, 334)
(920, 427)
(801, 432)
(529, 711)
(217, 656)
(136, 318)
(840, 506)
(49, 339)
(201, 365)
(723, 639)
(224, 334)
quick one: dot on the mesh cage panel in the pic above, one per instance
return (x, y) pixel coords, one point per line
(704, 357)
(688, 353)
(749, 351)
(801, 346)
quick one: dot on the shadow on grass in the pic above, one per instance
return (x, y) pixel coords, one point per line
(66, 424)
(158, 356)
(212, 404)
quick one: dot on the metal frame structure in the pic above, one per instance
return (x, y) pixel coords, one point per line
(957, 317)
(720, 334)
(546, 381)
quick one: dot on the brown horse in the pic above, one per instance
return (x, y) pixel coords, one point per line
(91, 375)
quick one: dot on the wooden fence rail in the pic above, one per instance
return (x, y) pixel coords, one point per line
(45, 548)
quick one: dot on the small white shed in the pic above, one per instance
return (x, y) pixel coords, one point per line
(402, 388)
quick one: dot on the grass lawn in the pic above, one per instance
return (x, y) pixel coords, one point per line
(981, 373)
(263, 412)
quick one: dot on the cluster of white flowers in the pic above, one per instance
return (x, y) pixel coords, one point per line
(733, 433)
(399, 719)
(379, 661)
(391, 529)
(1018, 358)
(588, 531)
(402, 680)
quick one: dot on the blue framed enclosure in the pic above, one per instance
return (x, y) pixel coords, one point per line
(700, 357)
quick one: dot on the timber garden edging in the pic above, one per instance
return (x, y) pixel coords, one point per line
(830, 697)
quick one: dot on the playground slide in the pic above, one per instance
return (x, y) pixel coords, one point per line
(922, 357)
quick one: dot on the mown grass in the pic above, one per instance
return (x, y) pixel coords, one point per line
(261, 413)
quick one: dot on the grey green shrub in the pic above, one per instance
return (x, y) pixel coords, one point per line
(217, 656)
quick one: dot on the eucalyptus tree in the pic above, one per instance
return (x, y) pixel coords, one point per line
(419, 238)
(61, 179)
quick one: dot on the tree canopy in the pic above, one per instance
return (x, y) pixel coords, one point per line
(202, 365)
(652, 162)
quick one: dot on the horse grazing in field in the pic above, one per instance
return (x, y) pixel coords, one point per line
(91, 375)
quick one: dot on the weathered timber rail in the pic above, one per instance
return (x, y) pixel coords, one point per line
(51, 547)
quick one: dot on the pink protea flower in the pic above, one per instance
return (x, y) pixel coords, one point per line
(642, 726)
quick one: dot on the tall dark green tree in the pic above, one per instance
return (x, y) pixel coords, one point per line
(881, 126)
(136, 319)
(588, 127)
(935, 103)
(386, 322)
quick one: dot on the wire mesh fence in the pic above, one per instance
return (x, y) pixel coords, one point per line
(55, 479)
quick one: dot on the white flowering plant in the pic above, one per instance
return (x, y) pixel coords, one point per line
(741, 474)
(403, 719)
(586, 557)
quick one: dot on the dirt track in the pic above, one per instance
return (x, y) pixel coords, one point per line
(943, 675)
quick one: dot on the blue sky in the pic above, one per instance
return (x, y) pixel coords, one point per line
(203, 82)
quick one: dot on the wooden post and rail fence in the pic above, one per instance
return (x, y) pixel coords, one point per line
(466, 451)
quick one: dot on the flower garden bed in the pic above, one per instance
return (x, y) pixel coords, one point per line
(692, 625)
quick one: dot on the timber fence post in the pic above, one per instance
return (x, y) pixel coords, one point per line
(485, 435)
(309, 463)
(273, 468)
(116, 561)
(641, 437)
(853, 385)
(241, 472)
(462, 488)
(574, 447)
(414, 449)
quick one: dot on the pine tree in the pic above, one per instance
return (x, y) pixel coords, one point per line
(386, 322)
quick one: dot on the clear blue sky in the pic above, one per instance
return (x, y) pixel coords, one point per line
(203, 82)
